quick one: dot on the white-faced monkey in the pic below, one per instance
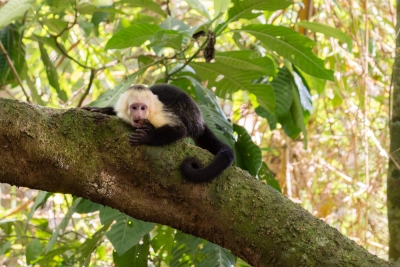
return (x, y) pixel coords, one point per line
(171, 114)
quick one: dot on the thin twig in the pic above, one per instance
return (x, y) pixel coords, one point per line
(86, 92)
(10, 63)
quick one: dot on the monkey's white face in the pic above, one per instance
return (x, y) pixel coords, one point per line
(138, 109)
(135, 105)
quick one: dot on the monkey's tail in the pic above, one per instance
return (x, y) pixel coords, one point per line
(192, 168)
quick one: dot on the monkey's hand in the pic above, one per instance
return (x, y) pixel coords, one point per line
(142, 135)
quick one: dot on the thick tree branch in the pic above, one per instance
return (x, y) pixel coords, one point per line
(87, 154)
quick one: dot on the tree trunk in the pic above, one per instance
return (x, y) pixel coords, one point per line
(88, 155)
(393, 183)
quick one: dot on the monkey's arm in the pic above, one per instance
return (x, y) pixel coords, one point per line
(148, 135)
(106, 110)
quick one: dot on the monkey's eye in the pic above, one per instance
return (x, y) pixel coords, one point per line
(143, 108)
(133, 107)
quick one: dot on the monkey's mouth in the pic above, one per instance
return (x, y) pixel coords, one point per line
(140, 122)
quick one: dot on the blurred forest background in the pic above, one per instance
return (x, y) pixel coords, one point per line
(68, 53)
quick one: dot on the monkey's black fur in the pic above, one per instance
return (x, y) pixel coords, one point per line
(190, 124)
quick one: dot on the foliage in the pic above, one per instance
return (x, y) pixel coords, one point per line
(67, 54)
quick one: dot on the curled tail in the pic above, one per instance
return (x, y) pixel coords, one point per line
(192, 168)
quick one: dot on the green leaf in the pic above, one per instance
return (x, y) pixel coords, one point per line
(10, 38)
(40, 199)
(292, 46)
(12, 10)
(282, 85)
(63, 224)
(166, 38)
(265, 114)
(186, 250)
(146, 5)
(265, 95)
(137, 256)
(248, 154)
(289, 126)
(87, 206)
(55, 25)
(220, 6)
(250, 9)
(298, 115)
(216, 256)
(247, 9)
(229, 79)
(163, 242)
(328, 31)
(174, 24)
(304, 92)
(33, 250)
(266, 175)
(108, 214)
(126, 231)
(52, 74)
(134, 35)
(85, 250)
(247, 60)
(199, 7)
(5, 247)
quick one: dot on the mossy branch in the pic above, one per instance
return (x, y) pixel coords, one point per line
(87, 155)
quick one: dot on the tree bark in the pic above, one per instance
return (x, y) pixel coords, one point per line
(393, 182)
(88, 155)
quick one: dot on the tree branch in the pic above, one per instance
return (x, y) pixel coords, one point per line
(87, 154)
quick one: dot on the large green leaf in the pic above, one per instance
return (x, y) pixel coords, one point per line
(289, 125)
(134, 35)
(282, 85)
(271, 118)
(126, 231)
(220, 6)
(12, 10)
(251, 9)
(33, 250)
(85, 250)
(146, 5)
(293, 46)
(229, 79)
(166, 38)
(304, 91)
(10, 38)
(87, 206)
(248, 9)
(328, 31)
(199, 7)
(52, 74)
(164, 241)
(248, 154)
(298, 114)
(265, 95)
(266, 175)
(216, 256)
(247, 60)
(137, 256)
(186, 250)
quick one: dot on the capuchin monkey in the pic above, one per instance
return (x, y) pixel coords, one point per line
(163, 114)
